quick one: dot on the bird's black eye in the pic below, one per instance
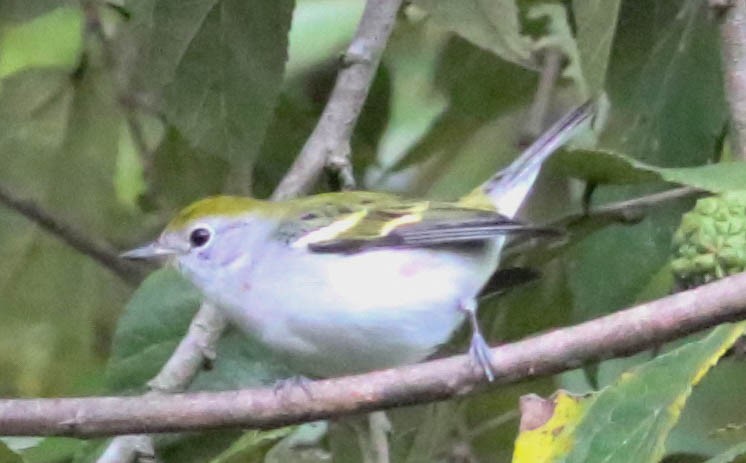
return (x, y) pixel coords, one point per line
(199, 237)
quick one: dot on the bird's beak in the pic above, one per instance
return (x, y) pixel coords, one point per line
(149, 251)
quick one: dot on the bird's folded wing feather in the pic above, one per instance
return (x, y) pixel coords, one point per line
(376, 221)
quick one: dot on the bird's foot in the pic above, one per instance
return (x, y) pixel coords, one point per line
(481, 356)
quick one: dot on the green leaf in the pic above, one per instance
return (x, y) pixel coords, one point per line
(307, 47)
(183, 174)
(493, 25)
(596, 24)
(601, 167)
(717, 178)
(252, 446)
(665, 85)
(195, 447)
(629, 420)
(608, 167)
(151, 326)
(52, 449)
(293, 121)
(53, 40)
(220, 64)
(729, 455)
(9, 456)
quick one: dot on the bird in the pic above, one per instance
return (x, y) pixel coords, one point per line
(348, 282)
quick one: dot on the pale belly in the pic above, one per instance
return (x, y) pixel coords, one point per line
(329, 315)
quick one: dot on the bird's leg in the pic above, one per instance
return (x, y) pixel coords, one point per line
(479, 351)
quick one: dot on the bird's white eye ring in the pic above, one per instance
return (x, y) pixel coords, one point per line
(200, 236)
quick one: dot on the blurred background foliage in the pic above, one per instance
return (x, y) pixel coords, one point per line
(113, 115)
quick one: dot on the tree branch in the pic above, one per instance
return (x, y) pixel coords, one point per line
(621, 333)
(329, 143)
(195, 349)
(733, 44)
(102, 253)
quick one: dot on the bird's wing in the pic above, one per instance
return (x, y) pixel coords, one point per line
(373, 220)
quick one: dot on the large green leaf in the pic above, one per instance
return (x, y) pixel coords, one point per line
(151, 326)
(183, 174)
(665, 85)
(629, 420)
(220, 66)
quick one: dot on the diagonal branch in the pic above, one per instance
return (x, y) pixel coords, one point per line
(102, 253)
(329, 144)
(621, 333)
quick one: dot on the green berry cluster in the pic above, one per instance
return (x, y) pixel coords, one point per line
(711, 240)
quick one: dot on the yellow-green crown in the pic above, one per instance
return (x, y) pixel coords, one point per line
(226, 206)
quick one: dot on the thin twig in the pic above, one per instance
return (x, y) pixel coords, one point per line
(195, 349)
(733, 44)
(580, 224)
(622, 333)
(630, 210)
(330, 140)
(547, 79)
(99, 251)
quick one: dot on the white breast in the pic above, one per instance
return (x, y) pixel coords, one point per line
(333, 314)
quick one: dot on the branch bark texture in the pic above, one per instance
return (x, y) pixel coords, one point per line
(621, 333)
(102, 253)
(329, 144)
(733, 45)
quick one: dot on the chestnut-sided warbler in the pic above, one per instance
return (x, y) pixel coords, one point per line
(341, 283)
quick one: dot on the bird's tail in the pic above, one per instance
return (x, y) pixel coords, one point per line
(507, 189)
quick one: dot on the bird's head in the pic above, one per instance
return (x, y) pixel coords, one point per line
(207, 236)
